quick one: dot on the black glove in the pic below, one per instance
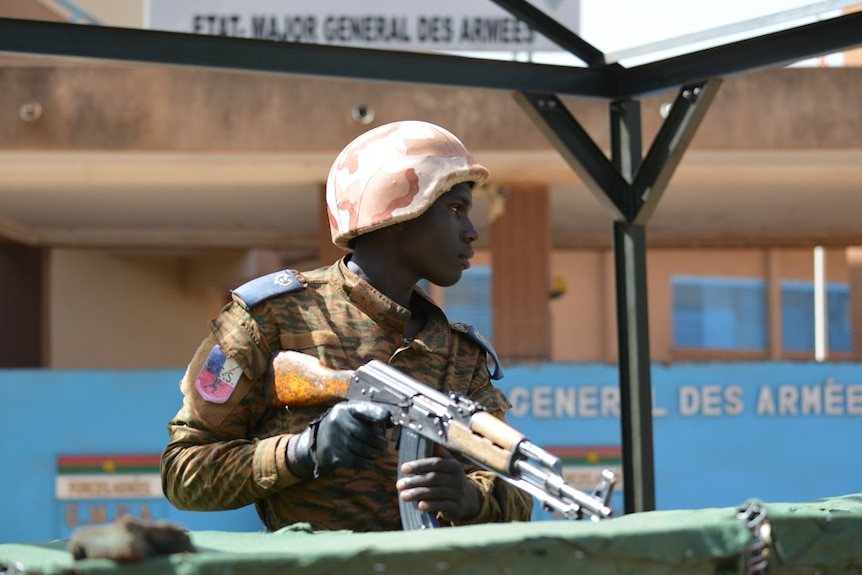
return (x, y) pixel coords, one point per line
(351, 435)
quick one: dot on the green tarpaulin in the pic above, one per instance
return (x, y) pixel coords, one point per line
(822, 536)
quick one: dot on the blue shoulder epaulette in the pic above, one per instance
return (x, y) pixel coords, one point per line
(473, 333)
(259, 289)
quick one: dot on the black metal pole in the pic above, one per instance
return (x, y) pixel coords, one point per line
(634, 367)
(632, 316)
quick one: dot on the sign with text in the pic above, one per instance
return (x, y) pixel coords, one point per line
(96, 489)
(828, 398)
(453, 25)
(723, 432)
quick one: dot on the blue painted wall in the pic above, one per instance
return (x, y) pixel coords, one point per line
(723, 433)
(50, 413)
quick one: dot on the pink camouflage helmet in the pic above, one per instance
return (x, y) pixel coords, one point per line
(392, 174)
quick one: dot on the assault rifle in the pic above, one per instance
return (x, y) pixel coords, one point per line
(426, 416)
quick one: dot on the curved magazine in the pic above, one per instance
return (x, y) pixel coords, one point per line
(414, 446)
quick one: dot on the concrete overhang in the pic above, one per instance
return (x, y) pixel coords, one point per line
(168, 158)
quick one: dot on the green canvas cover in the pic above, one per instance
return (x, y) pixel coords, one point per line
(819, 536)
(823, 536)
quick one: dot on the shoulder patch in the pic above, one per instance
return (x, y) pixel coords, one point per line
(257, 290)
(473, 333)
(218, 377)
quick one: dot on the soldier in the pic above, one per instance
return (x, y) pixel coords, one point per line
(398, 198)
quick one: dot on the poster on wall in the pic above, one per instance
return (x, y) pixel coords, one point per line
(98, 489)
(450, 25)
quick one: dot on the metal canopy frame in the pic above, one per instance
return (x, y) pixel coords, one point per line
(598, 80)
(628, 185)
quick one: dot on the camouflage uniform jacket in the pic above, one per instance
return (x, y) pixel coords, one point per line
(228, 455)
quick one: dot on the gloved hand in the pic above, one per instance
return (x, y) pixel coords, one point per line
(351, 435)
(440, 485)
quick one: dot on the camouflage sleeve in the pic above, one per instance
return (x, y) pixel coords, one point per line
(210, 463)
(501, 501)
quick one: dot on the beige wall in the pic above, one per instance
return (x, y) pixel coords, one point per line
(144, 312)
(118, 312)
(784, 264)
(140, 311)
(584, 318)
(583, 327)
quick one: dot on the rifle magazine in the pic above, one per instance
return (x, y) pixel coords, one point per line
(413, 446)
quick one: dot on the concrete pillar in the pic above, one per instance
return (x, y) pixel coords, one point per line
(23, 306)
(520, 260)
(773, 301)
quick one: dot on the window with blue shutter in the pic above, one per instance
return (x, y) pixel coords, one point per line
(797, 316)
(719, 313)
(469, 300)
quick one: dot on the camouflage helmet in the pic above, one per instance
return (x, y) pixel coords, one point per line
(392, 174)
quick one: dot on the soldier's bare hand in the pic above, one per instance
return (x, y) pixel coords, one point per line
(439, 485)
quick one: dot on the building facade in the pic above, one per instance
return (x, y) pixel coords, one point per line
(135, 197)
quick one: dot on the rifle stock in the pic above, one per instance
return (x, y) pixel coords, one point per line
(299, 380)
(425, 415)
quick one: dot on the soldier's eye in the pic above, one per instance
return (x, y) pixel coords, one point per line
(459, 207)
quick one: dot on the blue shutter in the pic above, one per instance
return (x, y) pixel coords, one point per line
(719, 313)
(469, 300)
(838, 312)
(797, 316)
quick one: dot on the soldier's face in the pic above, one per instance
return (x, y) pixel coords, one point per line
(438, 244)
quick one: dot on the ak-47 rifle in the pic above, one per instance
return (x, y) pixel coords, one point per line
(426, 416)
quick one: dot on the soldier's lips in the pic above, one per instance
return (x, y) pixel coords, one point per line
(465, 259)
